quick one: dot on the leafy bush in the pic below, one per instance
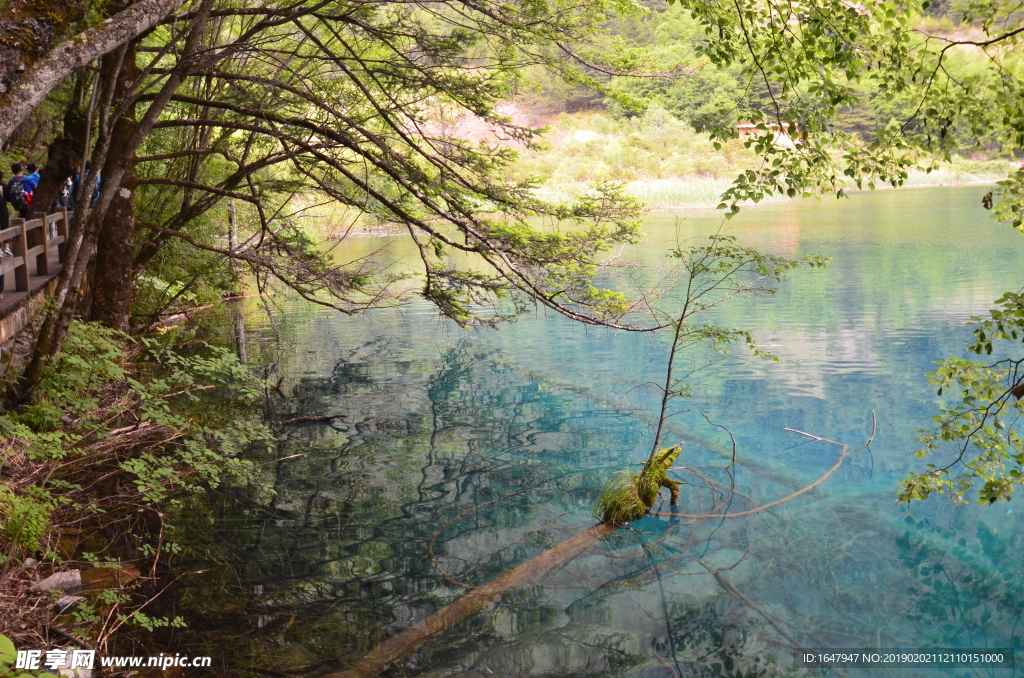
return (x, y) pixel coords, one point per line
(165, 421)
(91, 357)
(23, 519)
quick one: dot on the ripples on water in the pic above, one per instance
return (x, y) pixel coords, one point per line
(450, 420)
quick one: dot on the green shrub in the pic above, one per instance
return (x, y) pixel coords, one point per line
(91, 357)
(24, 519)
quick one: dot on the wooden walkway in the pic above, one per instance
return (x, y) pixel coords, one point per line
(38, 246)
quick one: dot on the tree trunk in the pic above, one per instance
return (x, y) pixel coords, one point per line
(391, 650)
(115, 249)
(62, 159)
(112, 283)
(240, 342)
(64, 155)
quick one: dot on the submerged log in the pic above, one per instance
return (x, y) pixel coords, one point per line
(397, 647)
(401, 645)
(308, 419)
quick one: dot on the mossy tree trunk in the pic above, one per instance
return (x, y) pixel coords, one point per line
(28, 31)
(31, 67)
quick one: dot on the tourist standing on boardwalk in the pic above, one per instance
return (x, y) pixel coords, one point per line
(30, 182)
(64, 198)
(5, 216)
(16, 194)
(5, 251)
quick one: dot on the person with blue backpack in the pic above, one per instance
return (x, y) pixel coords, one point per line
(77, 179)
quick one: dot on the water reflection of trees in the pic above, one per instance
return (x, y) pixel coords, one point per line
(337, 556)
(971, 594)
(485, 467)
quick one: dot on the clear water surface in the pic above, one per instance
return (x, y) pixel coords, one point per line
(463, 454)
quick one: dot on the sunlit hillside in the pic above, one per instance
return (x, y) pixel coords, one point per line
(667, 164)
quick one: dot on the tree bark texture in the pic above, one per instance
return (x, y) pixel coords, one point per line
(30, 85)
(28, 30)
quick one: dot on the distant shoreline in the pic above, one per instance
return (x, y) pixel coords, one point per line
(777, 199)
(704, 188)
(700, 194)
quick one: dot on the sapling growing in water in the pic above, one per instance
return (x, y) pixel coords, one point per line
(709, 275)
(628, 497)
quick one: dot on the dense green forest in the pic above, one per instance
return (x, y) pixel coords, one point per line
(513, 144)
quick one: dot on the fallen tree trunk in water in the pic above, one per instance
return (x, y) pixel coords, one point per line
(397, 647)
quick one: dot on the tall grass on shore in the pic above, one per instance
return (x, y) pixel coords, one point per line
(672, 193)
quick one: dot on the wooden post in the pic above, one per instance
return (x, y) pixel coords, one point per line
(19, 245)
(62, 231)
(42, 262)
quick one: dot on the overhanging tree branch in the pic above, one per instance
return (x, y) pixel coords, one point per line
(38, 80)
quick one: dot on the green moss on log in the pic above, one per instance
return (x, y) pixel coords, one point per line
(627, 497)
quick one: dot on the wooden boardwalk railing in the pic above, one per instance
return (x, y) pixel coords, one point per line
(33, 239)
(31, 274)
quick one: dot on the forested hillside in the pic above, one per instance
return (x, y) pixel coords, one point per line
(654, 131)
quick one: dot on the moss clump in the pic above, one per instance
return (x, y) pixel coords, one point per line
(628, 497)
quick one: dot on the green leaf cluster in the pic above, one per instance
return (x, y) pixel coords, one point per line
(8, 655)
(981, 425)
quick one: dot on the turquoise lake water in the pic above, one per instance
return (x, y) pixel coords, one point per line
(464, 454)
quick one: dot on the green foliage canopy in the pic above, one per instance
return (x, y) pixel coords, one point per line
(361, 105)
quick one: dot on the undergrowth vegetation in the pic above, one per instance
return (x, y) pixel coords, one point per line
(120, 434)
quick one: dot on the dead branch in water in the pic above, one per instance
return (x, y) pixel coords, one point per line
(843, 454)
(309, 419)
